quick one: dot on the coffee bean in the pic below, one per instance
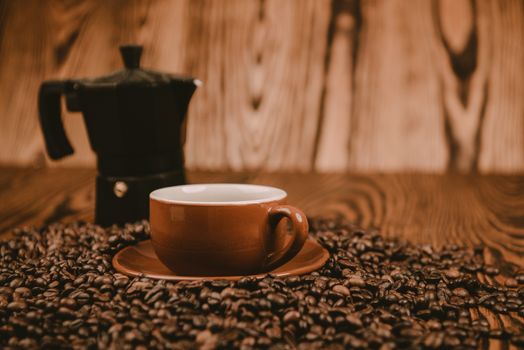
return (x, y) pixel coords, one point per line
(291, 316)
(496, 333)
(311, 300)
(16, 306)
(453, 273)
(3, 302)
(274, 332)
(15, 283)
(450, 341)
(101, 280)
(461, 292)
(354, 320)
(520, 278)
(491, 270)
(433, 277)
(410, 333)
(499, 308)
(69, 303)
(82, 297)
(23, 292)
(434, 325)
(277, 300)
(64, 312)
(356, 281)
(511, 283)
(6, 291)
(27, 343)
(341, 289)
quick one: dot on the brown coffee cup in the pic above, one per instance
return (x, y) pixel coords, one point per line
(224, 229)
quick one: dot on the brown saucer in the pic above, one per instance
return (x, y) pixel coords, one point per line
(141, 260)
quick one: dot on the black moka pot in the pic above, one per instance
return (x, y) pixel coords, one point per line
(135, 120)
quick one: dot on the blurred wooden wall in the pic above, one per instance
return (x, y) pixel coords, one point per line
(431, 85)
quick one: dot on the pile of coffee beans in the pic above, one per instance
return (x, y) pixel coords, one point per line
(59, 290)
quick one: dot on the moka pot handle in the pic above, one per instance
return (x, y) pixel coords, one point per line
(49, 108)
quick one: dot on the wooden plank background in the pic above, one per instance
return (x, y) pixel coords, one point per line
(430, 85)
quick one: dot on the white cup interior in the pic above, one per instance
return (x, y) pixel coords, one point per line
(218, 194)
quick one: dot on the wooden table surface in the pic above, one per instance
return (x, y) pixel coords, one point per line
(436, 209)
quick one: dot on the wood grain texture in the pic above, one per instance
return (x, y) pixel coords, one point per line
(327, 85)
(437, 209)
(396, 114)
(261, 106)
(504, 116)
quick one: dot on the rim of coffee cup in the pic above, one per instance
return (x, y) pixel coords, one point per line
(181, 194)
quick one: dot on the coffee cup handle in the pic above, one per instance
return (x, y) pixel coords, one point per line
(300, 233)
